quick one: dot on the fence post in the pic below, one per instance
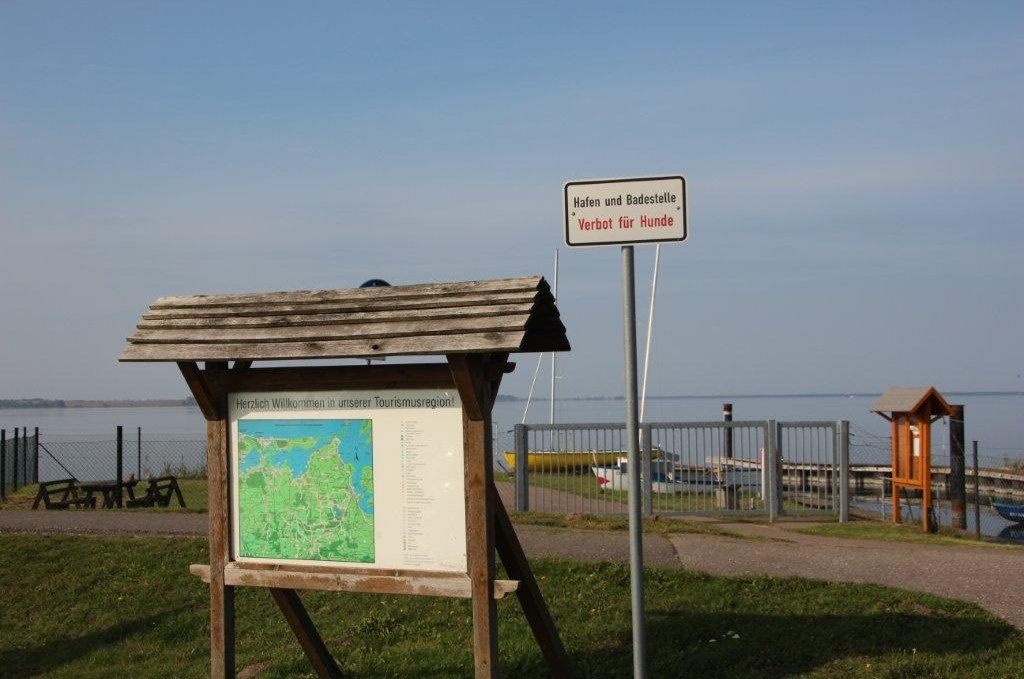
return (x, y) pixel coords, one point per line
(522, 485)
(977, 491)
(3, 465)
(645, 466)
(843, 429)
(138, 438)
(120, 466)
(771, 495)
(957, 482)
(14, 462)
(35, 475)
(24, 456)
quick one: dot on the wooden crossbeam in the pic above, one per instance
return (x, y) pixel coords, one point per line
(456, 586)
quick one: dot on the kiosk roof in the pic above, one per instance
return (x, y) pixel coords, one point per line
(502, 315)
(910, 399)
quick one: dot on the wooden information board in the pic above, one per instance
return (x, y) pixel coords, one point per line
(368, 449)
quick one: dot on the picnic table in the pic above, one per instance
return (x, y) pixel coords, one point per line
(109, 489)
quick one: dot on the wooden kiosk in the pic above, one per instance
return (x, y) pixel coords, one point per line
(474, 326)
(912, 410)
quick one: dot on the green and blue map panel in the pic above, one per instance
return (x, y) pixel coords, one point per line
(305, 490)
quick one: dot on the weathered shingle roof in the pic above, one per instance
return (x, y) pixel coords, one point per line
(909, 399)
(505, 315)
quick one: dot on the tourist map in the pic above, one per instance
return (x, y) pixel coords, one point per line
(305, 489)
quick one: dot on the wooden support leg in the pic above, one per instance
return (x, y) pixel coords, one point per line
(305, 631)
(480, 547)
(222, 597)
(530, 598)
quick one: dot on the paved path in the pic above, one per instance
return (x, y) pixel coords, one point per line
(989, 577)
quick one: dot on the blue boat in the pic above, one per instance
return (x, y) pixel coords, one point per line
(1014, 513)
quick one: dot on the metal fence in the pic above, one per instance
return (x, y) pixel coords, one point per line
(18, 459)
(96, 458)
(686, 468)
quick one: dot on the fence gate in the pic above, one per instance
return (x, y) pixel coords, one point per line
(814, 461)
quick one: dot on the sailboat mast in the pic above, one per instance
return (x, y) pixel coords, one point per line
(650, 329)
(554, 293)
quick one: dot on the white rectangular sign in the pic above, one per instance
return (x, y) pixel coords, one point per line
(367, 478)
(624, 211)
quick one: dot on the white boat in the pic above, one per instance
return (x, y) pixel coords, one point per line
(669, 478)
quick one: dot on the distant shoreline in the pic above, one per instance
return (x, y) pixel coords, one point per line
(29, 403)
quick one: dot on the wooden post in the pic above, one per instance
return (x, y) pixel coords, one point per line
(468, 373)
(119, 465)
(222, 597)
(957, 473)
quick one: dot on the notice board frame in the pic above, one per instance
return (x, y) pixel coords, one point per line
(488, 527)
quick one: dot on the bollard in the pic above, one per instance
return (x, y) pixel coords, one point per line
(727, 417)
(522, 482)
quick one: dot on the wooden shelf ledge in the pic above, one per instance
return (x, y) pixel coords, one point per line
(238, 575)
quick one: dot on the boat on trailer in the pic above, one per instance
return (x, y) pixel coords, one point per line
(562, 460)
(670, 478)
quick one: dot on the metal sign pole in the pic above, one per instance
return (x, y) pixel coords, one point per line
(636, 545)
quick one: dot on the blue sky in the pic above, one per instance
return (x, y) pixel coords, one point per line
(855, 176)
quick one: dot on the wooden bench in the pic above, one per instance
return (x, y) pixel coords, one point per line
(159, 493)
(62, 495)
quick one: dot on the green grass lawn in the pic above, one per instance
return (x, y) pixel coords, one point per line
(879, 530)
(96, 606)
